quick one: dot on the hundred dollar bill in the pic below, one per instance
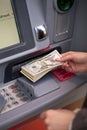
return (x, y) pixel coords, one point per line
(41, 66)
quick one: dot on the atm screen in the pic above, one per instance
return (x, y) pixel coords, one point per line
(15, 28)
(8, 29)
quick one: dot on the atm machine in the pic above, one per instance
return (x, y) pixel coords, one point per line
(30, 29)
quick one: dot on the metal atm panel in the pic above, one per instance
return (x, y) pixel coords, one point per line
(41, 26)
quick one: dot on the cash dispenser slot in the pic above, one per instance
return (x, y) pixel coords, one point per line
(13, 68)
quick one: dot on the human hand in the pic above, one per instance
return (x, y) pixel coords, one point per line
(57, 119)
(74, 61)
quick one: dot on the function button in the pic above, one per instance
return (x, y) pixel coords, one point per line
(4, 90)
(7, 94)
(9, 105)
(20, 94)
(12, 87)
(15, 91)
(12, 98)
(15, 103)
(25, 98)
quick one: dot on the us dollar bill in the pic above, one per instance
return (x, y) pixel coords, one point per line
(41, 66)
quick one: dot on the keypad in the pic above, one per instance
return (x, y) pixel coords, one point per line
(14, 95)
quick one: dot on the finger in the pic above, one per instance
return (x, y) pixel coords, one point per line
(65, 58)
(65, 65)
(66, 53)
(47, 121)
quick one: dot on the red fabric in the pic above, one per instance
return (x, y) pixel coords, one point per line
(30, 124)
(36, 125)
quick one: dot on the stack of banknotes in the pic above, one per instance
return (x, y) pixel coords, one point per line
(39, 67)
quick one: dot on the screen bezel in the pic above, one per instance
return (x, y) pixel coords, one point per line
(24, 29)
